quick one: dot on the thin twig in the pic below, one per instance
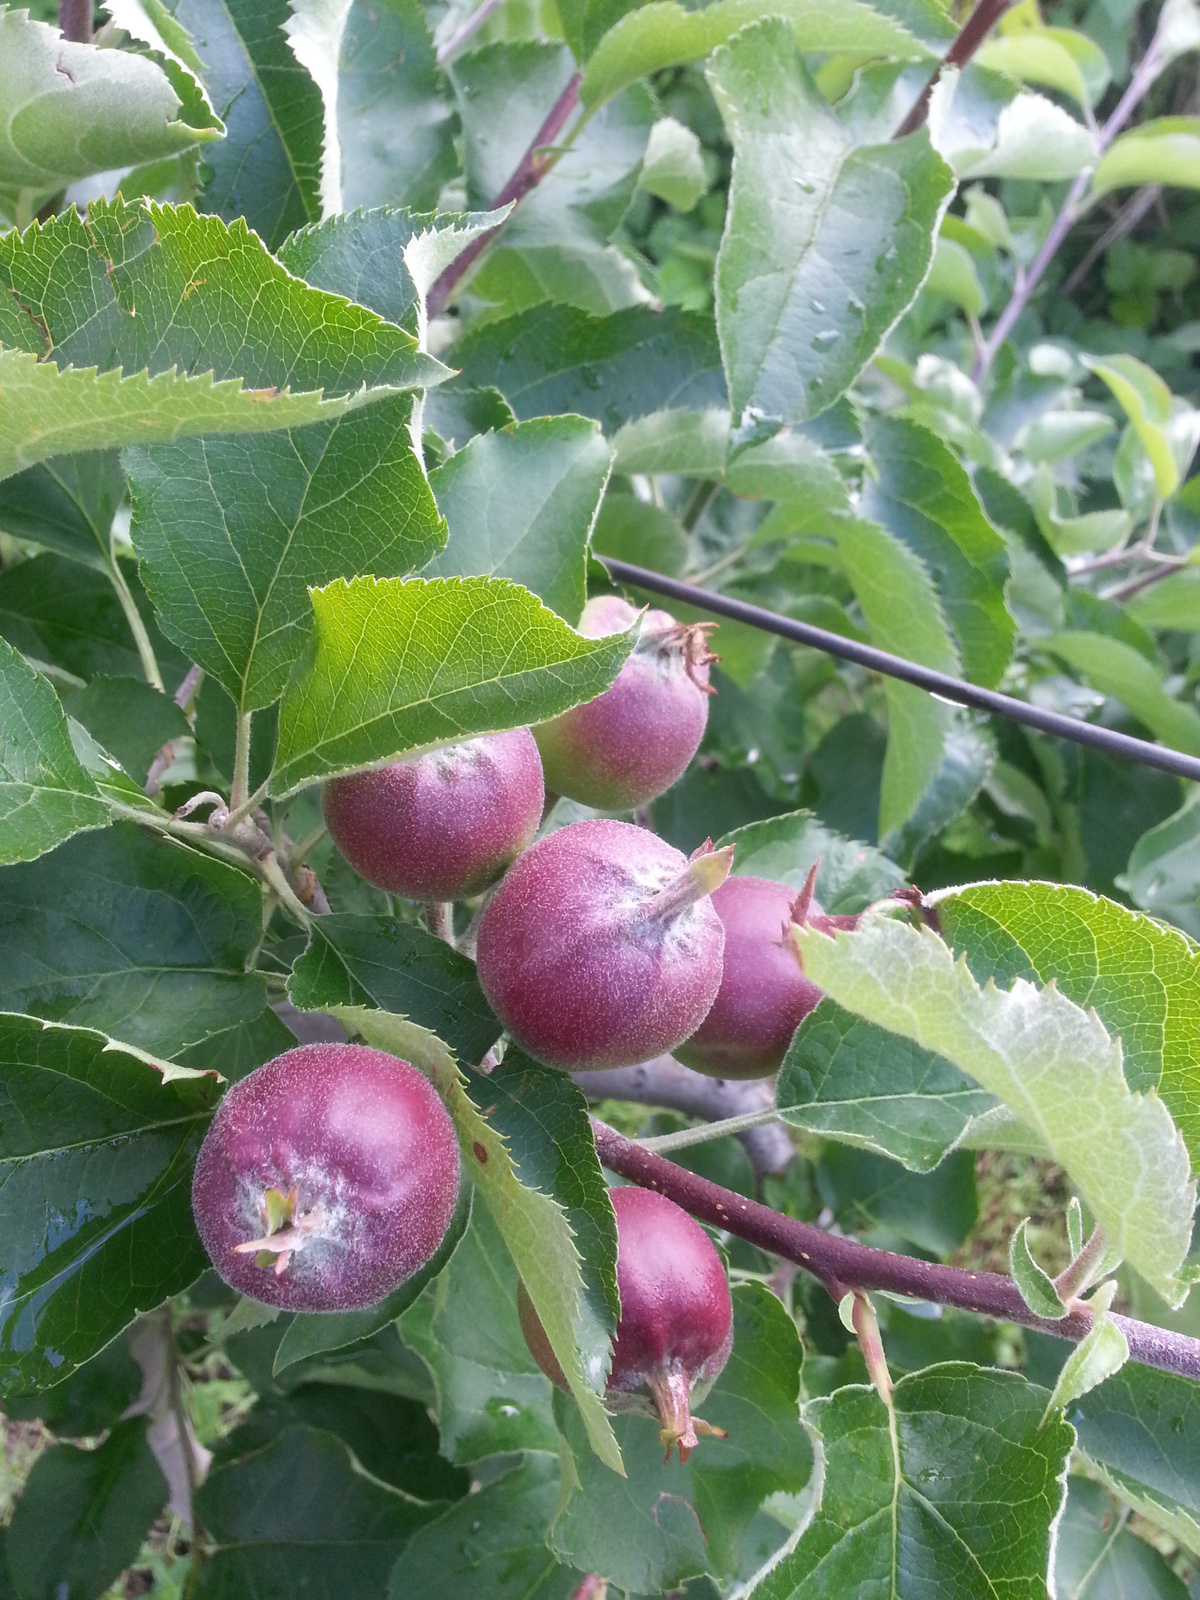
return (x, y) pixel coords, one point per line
(465, 31)
(847, 1264)
(972, 34)
(1130, 214)
(75, 20)
(531, 169)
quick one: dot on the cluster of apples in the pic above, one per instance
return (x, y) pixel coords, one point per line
(330, 1175)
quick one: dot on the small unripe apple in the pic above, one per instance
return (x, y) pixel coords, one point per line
(442, 826)
(764, 995)
(326, 1179)
(631, 743)
(676, 1326)
(601, 947)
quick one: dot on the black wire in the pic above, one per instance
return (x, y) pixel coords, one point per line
(937, 683)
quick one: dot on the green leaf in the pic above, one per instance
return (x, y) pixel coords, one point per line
(301, 1514)
(268, 167)
(1033, 138)
(1096, 1556)
(796, 330)
(665, 34)
(354, 961)
(1146, 401)
(46, 410)
(361, 256)
(922, 494)
(96, 1171)
(1163, 875)
(71, 110)
(849, 1080)
(1101, 1353)
(1043, 1056)
(394, 668)
(206, 296)
(791, 468)
(130, 719)
(82, 1515)
(492, 1545)
(1141, 978)
(232, 534)
(1056, 435)
(1173, 603)
(1036, 1285)
(1117, 669)
(1139, 1433)
(146, 939)
(959, 1493)
(1163, 150)
(45, 794)
(551, 359)
(785, 849)
(395, 115)
(492, 1398)
(664, 1523)
(641, 532)
(673, 440)
(904, 614)
(953, 275)
(311, 1334)
(1057, 58)
(535, 1132)
(521, 504)
(935, 1211)
(673, 167)
(67, 617)
(68, 504)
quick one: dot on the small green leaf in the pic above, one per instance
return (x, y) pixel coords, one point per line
(552, 359)
(673, 441)
(1146, 401)
(232, 533)
(673, 168)
(1099, 1355)
(1036, 1285)
(791, 468)
(135, 934)
(1097, 1556)
(1034, 139)
(82, 1514)
(45, 794)
(641, 532)
(1164, 150)
(1044, 1057)
(129, 719)
(666, 34)
(794, 331)
(666, 1522)
(957, 1491)
(96, 1183)
(521, 504)
(492, 1545)
(953, 275)
(71, 110)
(1173, 603)
(398, 667)
(1043, 55)
(1117, 669)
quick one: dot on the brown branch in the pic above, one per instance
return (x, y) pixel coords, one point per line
(665, 1082)
(972, 34)
(75, 20)
(531, 169)
(846, 1264)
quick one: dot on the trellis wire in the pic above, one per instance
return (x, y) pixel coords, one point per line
(940, 684)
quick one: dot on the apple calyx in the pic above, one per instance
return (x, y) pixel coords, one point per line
(690, 641)
(672, 1399)
(287, 1230)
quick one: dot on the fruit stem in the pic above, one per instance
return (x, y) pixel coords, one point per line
(706, 871)
(439, 919)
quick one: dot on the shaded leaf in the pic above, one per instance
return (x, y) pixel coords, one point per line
(67, 504)
(1162, 150)
(96, 1159)
(1094, 1555)
(1117, 669)
(785, 849)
